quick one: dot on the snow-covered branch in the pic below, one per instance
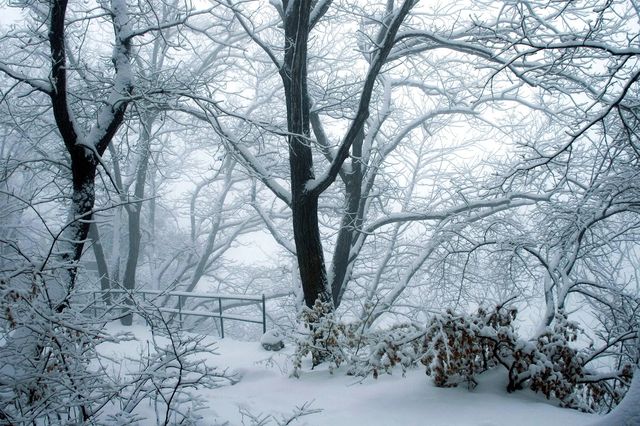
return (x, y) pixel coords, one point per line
(380, 58)
(508, 201)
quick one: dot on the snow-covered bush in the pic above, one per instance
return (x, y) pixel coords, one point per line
(53, 372)
(398, 346)
(552, 366)
(459, 347)
(456, 348)
(362, 350)
(46, 354)
(324, 338)
(549, 364)
(167, 372)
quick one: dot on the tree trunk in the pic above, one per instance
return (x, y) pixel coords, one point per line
(305, 190)
(134, 211)
(304, 204)
(129, 278)
(83, 166)
(101, 261)
(350, 226)
(84, 149)
(309, 251)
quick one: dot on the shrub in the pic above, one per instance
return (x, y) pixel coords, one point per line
(456, 348)
(324, 338)
(362, 350)
(53, 373)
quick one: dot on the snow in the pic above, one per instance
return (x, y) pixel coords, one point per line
(266, 390)
(627, 413)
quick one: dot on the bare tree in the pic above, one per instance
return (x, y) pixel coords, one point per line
(85, 142)
(299, 19)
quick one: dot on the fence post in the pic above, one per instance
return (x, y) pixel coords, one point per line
(264, 315)
(180, 309)
(221, 319)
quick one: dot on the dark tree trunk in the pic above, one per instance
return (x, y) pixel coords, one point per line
(305, 189)
(83, 166)
(129, 278)
(134, 212)
(101, 261)
(85, 154)
(304, 204)
(309, 251)
(350, 226)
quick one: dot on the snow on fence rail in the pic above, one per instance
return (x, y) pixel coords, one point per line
(103, 296)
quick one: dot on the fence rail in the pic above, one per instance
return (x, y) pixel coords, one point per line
(183, 297)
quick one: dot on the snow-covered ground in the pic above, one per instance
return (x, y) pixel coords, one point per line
(265, 389)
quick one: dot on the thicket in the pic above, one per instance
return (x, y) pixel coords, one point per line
(456, 348)
(53, 371)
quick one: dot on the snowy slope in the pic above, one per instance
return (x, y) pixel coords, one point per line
(411, 400)
(628, 412)
(267, 390)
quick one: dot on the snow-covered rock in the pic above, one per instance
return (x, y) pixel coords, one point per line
(272, 340)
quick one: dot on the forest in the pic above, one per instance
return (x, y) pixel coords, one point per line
(444, 186)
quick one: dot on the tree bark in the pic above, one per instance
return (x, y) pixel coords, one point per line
(304, 204)
(101, 261)
(350, 226)
(84, 149)
(83, 167)
(134, 211)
